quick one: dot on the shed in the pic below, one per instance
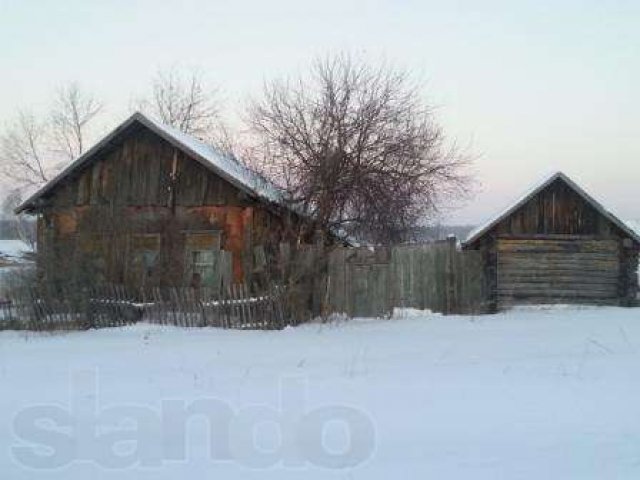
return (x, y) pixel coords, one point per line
(557, 244)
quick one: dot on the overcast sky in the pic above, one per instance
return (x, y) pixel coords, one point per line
(530, 86)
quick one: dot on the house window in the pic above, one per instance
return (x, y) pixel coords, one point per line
(201, 258)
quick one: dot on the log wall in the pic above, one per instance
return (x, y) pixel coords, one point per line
(558, 270)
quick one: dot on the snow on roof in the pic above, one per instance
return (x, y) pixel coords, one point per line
(533, 190)
(634, 225)
(209, 156)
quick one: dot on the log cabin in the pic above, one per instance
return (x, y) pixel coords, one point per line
(151, 206)
(557, 244)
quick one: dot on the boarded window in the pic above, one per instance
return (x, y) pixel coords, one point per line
(202, 254)
(145, 249)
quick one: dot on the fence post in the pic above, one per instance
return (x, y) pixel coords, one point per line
(451, 275)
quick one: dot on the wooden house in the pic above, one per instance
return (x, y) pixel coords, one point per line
(150, 205)
(558, 245)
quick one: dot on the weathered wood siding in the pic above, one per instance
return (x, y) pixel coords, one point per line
(141, 196)
(558, 209)
(364, 282)
(145, 170)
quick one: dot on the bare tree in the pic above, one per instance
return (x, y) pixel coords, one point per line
(23, 151)
(73, 110)
(356, 148)
(182, 100)
(26, 164)
(32, 150)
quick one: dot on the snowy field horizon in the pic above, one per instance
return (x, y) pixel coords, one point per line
(531, 392)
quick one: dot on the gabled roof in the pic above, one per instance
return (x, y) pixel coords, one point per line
(478, 232)
(210, 157)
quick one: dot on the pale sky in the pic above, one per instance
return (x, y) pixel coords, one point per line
(530, 86)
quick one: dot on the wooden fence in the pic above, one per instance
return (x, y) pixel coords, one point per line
(114, 306)
(370, 282)
(301, 284)
(237, 308)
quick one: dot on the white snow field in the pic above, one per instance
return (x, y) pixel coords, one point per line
(527, 394)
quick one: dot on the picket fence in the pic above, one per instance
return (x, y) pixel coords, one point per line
(114, 306)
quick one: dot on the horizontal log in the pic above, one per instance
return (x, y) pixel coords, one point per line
(507, 301)
(557, 299)
(554, 270)
(564, 249)
(602, 270)
(551, 236)
(531, 291)
(554, 281)
(599, 266)
(570, 266)
(560, 250)
(559, 247)
(597, 250)
(559, 279)
(558, 256)
(558, 239)
(558, 286)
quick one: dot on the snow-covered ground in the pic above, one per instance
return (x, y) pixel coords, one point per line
(14, 258)
(14, 251)
(528, 394)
